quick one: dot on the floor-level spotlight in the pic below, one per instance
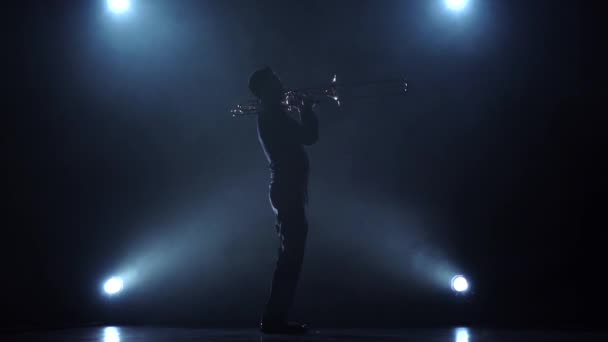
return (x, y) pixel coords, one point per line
(462, 335)
(113, 285)
(112, 334)
(460, 284)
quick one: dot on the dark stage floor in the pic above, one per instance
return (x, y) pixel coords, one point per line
(152, 334)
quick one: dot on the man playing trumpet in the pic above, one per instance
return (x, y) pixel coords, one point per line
(282, 139)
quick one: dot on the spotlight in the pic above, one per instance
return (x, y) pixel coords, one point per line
(456, 5)
(462, 335)
(111, 334)
(119, 6)
(460, 283)
(113, 285)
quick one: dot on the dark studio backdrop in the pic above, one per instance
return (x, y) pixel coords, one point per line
(123, 159)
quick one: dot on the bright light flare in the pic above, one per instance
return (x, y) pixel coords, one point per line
(111, 334)
(113, 285)
(456, 5)
(119, 6)
(462, 335)
(460, 283)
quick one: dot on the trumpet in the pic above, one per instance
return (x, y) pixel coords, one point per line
(292, 100)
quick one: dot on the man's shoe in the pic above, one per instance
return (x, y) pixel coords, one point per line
(283, 328)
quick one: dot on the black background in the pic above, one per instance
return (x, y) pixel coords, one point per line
(120, 150)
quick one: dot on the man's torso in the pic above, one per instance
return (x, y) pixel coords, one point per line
(288, 161)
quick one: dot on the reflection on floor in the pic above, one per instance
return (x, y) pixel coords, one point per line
(153, 334)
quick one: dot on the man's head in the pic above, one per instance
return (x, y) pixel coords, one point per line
(266, 86)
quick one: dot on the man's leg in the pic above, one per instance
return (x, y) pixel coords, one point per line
(292, 229)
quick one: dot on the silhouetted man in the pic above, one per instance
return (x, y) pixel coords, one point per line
(282, 139)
